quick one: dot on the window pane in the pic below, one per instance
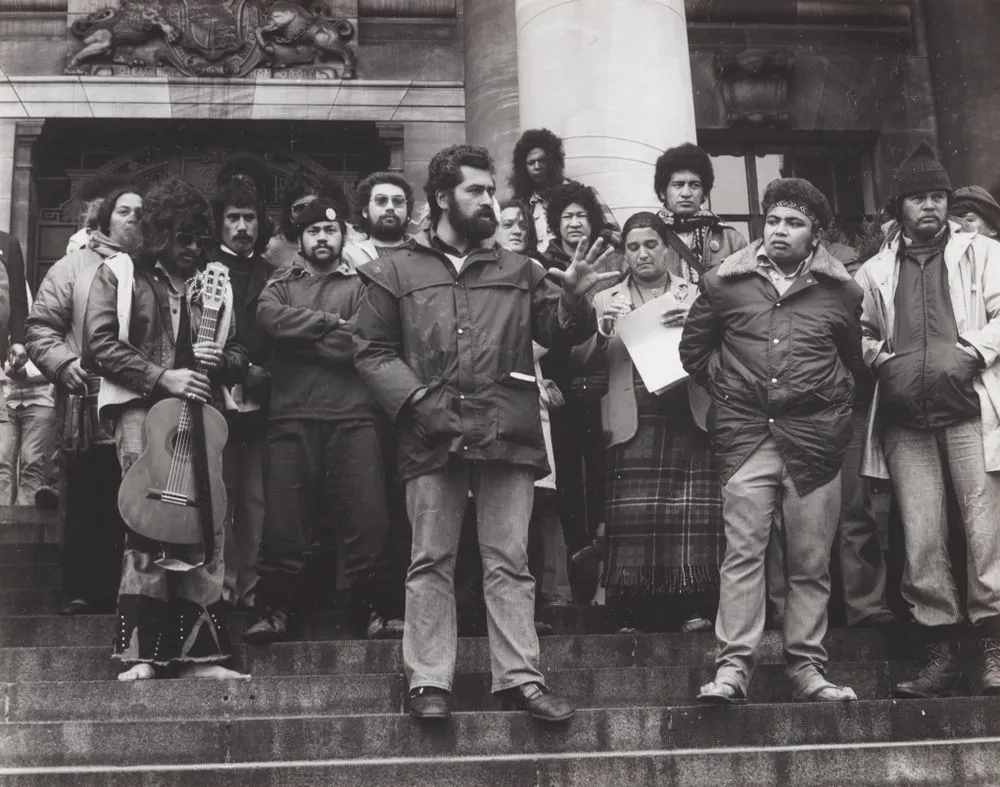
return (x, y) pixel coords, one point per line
(818, 170)
(769, 167)
(730, 194)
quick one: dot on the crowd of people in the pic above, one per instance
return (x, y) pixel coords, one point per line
(398, 383)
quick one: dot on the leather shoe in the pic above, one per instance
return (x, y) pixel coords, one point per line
(539, 701)
(429, 702)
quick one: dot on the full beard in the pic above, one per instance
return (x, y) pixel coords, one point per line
(130, 239)
(474, 228)
(388, 233)
(326, 261)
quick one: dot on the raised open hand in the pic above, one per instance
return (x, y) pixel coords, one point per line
(582, 274)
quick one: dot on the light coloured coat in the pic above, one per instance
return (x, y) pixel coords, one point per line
(619, 410)
(973, 265)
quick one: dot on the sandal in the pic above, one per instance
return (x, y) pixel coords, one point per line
(722, 693)
(827, 692)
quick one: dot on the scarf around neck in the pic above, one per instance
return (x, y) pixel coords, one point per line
(103, 245)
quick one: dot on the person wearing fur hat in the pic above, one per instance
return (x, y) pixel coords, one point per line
(931, 327)
(322, 430)
(775, 337)
(539, 167)
(699, 240)
(975, 205)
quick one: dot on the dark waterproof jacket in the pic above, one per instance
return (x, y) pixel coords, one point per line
(466, 338)
(778, 365)
(151, 348)
(310, 321)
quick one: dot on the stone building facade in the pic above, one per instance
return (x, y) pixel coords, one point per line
(833, 90)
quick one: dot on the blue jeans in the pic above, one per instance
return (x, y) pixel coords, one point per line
(25, 453)
(755, 493)
(919, 461)
(436, 503)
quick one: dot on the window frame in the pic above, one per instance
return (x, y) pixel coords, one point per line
(753, 143)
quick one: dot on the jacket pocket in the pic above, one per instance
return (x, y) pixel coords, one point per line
(518, 409)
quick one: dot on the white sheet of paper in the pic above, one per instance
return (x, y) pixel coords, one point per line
(652, 346)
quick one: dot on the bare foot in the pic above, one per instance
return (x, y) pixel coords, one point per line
(212, 671)
(138, 672)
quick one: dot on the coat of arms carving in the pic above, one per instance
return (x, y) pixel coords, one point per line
(214, 38)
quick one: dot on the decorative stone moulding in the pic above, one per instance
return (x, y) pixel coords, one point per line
(754, 86)
(215, 38)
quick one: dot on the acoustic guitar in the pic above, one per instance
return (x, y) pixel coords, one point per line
(174, 492)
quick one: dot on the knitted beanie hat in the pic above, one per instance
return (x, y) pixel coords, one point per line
(920, 172)
(978, 200)
(800, 195)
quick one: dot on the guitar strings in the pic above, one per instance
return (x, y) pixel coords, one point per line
(181, 458)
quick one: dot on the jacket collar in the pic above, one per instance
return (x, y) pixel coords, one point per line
(299, 268)
(744, 262)
(959, 240)
(425, 241)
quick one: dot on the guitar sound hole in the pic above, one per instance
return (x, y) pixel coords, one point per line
(172, 448)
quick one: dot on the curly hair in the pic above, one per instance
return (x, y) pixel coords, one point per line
(444, 172)
(306, 184)
(108, 204)
(240, 193)
(686, 157)
(520, 182)
(167, 207)
(363, 194)
(574, 192)
(531, 240)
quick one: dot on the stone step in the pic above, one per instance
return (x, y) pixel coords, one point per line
(20, 664)
(307, 695)
(38, 576)
(37, 629)
(29, 601)
(85, 630)
(28, 525)
(28, 554)
(612, 730)
(952, 762)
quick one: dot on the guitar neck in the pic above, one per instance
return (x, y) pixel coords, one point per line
(207, 328)
(206, 333)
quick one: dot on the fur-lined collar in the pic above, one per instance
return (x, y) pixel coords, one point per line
(744, 262)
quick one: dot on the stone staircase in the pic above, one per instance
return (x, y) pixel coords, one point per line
(327, 709)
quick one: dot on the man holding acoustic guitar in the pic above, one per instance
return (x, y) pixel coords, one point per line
(159, 331)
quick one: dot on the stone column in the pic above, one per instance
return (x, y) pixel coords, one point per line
(491, 117)
(8, 133)
(27, 131)
(962, 37)
(614, 81)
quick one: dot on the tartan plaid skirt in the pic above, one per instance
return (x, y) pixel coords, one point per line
(663, 520)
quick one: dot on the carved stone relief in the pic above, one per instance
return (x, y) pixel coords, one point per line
(754, 85)
(215, 38)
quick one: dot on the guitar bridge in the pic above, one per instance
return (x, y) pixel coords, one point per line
(171, 498)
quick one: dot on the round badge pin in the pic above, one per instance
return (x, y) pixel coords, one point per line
(715, 245)
(331, 214)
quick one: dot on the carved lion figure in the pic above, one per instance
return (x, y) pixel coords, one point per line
(293, 36)
(107, 29)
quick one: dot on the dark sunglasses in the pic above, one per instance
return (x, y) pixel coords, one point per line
(187, 238)
(382, 200)
(298, 207)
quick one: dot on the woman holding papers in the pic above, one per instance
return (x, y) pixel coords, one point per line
(663, 521)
